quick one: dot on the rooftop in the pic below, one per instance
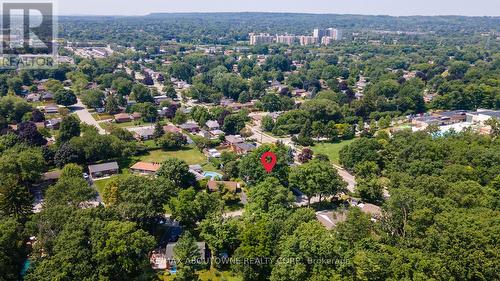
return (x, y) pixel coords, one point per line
(103, 167)
(246, 146)
(146, 166)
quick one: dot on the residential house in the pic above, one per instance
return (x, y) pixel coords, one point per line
(51, 177)
(300, 93)
(122, 118)
(51, 108)
(170, 128)
(145, 168)
(374, 211)
(214, 153)
(197, 171)
(243, 148)
(33, 97)
(144, 133)
(232, 140)
(214, 134)
(136, 116)
(53, 123)
(212, 125)
(47, 96)
(103, 170)
(160, 99)
(190, 127)
(237, 106)
(331, 219)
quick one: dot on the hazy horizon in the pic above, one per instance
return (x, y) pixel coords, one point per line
(359, 7)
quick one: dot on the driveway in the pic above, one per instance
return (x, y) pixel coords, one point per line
(349, 178)
(83, 113)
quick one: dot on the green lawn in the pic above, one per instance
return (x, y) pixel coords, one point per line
(330, 149)
(126, 124)
(102, 116)
(100, 184)
(189, 154)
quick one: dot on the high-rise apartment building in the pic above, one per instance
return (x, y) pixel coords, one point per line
(308, 40)
(286, 39)
(334, 33)
(320, 33)
(262, 38)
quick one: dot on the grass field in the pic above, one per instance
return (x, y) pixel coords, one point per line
(331, 149)
(102, 116)
(100, 184)
(124, 125)
(189, 154)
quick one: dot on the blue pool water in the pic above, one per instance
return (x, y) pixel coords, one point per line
(26, 266)
(212, 175)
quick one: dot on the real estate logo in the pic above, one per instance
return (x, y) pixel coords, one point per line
(28, 35)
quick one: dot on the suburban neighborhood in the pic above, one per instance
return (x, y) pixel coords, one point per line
(254, 146)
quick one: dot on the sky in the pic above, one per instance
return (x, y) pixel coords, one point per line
(365, 7)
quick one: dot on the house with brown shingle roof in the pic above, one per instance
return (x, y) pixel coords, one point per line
(145, 168)
(170, 128)
(122, 118)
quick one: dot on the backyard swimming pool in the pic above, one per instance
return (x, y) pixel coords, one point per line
(212, 175)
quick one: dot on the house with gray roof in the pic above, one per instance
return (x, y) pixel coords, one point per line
(103, 170)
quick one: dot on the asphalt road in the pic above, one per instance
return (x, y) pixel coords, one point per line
(83, 113)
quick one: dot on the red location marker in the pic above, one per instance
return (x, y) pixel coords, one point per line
(268, 165)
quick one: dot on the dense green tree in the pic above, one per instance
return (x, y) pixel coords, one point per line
(70, 189)
(141, 93)
(15, 199)
(267, 123)
(359, 151)
(176, 171)
(112, 105)
(316, 178)
(172, 141)
(221, 234)
(308, 254)
(26, 164)
(12, 252)
(190, 207)
(252, 171)
(65, 97)
(97, 249)
(122, 86)
(93, 98)
(269, 195)
(69, 128)
(182, 71)
(137, 198)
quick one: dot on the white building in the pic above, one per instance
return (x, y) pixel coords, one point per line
(308, 40)
(286, 39)
(262, 38)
